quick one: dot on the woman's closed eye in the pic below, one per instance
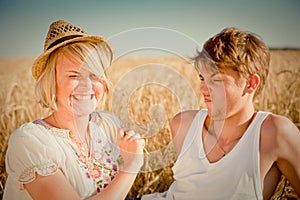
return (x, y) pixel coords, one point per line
(73, 76)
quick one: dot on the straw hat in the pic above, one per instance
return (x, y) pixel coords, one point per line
(60, 34)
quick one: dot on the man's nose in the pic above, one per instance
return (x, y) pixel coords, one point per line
(203, 87)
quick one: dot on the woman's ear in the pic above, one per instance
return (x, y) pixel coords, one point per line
(102, 81)
(253, 83)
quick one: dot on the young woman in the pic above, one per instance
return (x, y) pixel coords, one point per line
(73, 153)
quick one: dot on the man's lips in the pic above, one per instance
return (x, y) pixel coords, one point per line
(207, 99)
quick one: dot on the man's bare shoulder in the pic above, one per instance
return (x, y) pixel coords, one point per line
(279, 137)
(184, 117)
(279, 126)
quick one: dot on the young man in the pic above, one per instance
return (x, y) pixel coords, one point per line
(230, 150)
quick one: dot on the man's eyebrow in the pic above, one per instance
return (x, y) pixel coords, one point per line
(214, 74)
(210, 75)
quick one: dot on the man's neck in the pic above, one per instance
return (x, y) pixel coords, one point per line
(232, 127)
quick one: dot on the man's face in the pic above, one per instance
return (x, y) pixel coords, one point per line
(223, 92)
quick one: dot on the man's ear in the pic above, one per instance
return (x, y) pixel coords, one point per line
(253, 83)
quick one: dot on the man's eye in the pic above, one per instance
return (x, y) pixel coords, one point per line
(217, 80)
(73, 76)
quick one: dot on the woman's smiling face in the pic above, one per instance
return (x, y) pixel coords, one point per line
(77, 89)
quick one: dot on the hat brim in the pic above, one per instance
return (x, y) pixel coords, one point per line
(40, 63)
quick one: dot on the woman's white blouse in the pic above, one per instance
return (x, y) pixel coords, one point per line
(38, 148)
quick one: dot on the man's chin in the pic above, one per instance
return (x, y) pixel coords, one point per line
(216, 115)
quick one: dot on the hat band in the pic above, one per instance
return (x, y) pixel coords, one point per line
(60, 40)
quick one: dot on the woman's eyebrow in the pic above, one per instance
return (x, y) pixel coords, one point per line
(73, 71)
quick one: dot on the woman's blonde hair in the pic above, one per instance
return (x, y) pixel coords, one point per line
(94, 57)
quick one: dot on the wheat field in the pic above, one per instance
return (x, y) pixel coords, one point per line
(148, 92)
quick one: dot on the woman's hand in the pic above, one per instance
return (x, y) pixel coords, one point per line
(131, 146)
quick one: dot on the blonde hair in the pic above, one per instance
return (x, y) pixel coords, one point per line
(94, 57)
(237, 50)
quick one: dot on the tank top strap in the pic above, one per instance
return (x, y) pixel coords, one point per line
(255, 126)
(194, 132)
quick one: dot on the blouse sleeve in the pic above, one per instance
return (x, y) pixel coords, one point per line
(29, 153)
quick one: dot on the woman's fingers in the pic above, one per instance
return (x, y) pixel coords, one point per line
(130, 140)
(120, 133)
(129, 135)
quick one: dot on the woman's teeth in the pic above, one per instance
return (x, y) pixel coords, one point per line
(83, 97)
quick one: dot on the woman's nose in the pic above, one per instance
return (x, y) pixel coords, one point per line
(85, 82)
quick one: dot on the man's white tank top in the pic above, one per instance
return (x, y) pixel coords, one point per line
(235, 176)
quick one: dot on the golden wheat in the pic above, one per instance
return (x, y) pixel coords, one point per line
(173, 88)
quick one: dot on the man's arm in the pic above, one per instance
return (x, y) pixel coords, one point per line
(287, 148)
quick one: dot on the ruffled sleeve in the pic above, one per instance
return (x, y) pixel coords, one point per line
(30, 152)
